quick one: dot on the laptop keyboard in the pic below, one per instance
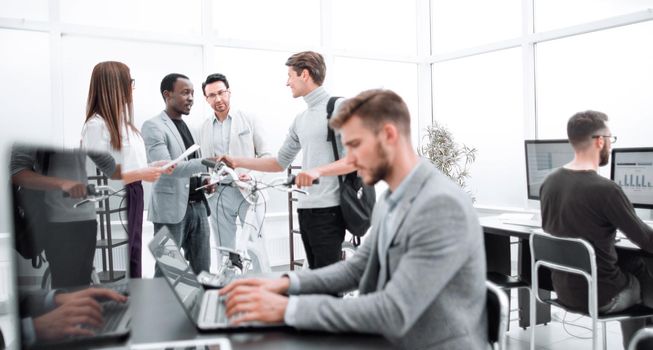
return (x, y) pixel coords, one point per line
(216, 311)
(112, 314)
(120, 287)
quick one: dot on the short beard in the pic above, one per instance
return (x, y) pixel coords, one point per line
(604, 155)
(380, 172)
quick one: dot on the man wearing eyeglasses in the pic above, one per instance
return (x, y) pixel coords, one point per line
(229, 132)
(577, 202)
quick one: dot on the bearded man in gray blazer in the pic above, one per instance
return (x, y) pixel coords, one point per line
(421, 270)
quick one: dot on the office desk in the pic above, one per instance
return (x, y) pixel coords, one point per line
(498, 255)
(157, 316)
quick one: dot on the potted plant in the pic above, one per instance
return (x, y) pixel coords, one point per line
(451, 158)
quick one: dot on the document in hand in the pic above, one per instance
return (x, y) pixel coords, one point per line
(183, 156)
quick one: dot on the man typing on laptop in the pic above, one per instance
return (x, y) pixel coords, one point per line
(422, 263)
(53, 315)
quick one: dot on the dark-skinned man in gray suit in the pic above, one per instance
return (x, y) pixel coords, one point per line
(174, 203)
(421, 270)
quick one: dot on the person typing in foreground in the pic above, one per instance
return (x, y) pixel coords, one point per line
(55, 314)
(421, 270)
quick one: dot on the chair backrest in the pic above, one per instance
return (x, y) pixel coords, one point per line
(571, 255)
(643, 339)
(574, 253)
(497, 315)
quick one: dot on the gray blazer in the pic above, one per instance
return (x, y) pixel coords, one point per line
(432, 294)
(170, 193)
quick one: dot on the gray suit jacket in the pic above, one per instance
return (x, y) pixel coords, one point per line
(432, 294)
(170, 193)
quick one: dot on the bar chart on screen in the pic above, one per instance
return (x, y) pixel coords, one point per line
(633, 172)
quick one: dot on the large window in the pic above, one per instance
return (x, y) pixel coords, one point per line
(460, 24)
(496, 84)
(604, 71)
(167, 16)
(148, 64)
(281, 21)
(377, 26)
(26, 98)
(518, 68)
(479, 99)
(398, 77)
(553, 14)
(36, 10)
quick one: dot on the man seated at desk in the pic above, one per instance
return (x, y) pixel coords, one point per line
(577, 202)
(421, 271)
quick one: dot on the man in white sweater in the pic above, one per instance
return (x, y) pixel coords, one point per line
(320, 218)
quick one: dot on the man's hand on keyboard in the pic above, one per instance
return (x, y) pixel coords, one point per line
(75, 313)
(250, 302)
(275, 285)
(67, 318)
(98, 294)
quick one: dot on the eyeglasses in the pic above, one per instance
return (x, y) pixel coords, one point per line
(221, 94)
(613, 139)
(133, 81)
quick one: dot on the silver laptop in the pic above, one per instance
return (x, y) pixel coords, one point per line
(205, 307)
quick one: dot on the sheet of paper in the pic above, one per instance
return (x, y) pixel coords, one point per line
(183, 156)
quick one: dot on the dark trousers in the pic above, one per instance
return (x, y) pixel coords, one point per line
(135, 227)
(192, 235)
(69, 249)
(642, 268)
(323, 231)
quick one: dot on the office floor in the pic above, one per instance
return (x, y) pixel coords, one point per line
(553, 336)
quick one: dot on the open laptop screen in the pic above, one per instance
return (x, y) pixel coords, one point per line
(177, 272)
(55, 237)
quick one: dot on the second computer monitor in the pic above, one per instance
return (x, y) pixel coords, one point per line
(542, 158)
(632, 170)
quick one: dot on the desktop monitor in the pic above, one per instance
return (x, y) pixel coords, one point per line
(542, 158)
(632, 170)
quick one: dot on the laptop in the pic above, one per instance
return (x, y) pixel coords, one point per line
(204, 307)
(32, 280)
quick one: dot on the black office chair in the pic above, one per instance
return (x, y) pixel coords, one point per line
(572, 255)
(497, 316)
(642, 340)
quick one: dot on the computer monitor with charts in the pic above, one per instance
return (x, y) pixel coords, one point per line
(542, 158)
(632, 170)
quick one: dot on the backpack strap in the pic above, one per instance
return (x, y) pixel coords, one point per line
(43, 161)
(331, 135)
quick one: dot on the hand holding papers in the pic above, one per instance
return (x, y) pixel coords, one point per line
(183, 156)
